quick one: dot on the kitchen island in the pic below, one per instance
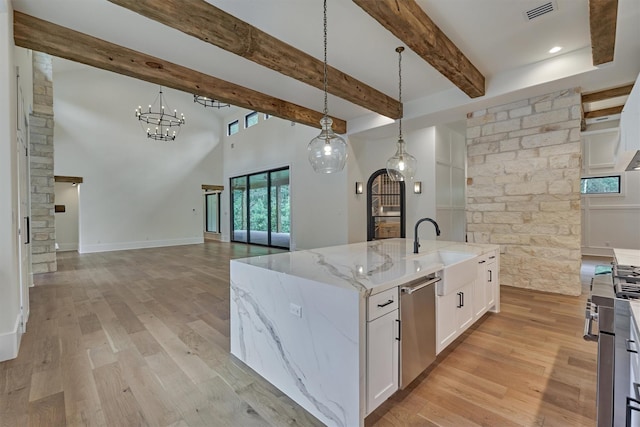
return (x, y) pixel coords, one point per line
(305, 320)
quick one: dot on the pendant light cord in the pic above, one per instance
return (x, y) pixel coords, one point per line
(399, 50)
(326, 109)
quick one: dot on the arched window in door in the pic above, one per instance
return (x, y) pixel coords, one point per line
(385, 207)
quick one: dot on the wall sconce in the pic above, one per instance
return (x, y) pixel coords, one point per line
(359, 187)
(417, 187)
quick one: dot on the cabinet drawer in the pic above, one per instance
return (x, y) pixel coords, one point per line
(382, 303)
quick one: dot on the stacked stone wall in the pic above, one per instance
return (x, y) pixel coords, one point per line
(523, 192)
(42, 175)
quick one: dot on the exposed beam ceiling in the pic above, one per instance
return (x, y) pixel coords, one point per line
(206, 22)
(408, 22)
(43, 36)
(607, 93)
(604, 112)
(603, 15)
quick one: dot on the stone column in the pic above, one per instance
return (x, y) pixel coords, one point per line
(523, 192)
(42, 179)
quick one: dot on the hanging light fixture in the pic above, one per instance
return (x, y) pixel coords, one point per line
(209, 102)
(402, 166)
(163, 124)
(327, 151)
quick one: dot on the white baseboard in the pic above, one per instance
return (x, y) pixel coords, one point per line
(124, 246)
(10, 342)
(65, 247)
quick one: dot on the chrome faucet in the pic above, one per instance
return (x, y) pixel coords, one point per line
(416, 243)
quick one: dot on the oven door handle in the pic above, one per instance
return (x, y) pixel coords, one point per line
(590, 316)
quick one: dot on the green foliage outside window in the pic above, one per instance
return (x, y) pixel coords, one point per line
(600, 185)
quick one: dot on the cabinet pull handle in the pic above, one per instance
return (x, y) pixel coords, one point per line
(462, 294)
(482, 262)
(386, 303)
(399, 329)
(490, 276)
(627, 344)
(459, 300)
(28, 227)
(630, 408)
(492, 257)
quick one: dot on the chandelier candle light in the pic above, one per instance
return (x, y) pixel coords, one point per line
(402, 166)
(209, 102)
(161, 120)
(327, 151)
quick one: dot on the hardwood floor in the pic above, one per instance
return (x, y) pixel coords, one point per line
(142, 338)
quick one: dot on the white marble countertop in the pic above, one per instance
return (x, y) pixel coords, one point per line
(367, 267)
(627, 256)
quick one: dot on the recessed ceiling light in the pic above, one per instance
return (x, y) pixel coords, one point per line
(555, 49)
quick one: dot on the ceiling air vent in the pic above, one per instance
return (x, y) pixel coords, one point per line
(543, 9)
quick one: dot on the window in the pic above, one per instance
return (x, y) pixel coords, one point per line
(233, 128)
(212, 214)
(250, 119)
(260, 207)
(600, 185)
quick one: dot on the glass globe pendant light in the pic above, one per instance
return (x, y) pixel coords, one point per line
(328, 151)
(402, 166)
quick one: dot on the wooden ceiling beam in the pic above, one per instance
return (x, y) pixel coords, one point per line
(206, 22)
(33, 33)
(604, 112)
(407, 21)
(607, 93)
(603, 15)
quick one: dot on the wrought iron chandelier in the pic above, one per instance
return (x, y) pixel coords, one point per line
(209, 102)
(402, 166)
(164, 122)
(327, 151)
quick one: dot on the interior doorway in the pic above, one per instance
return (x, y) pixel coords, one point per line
(67, 211)
(385, 207)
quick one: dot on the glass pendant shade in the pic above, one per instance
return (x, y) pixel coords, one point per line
(402, 166)
(327, 151)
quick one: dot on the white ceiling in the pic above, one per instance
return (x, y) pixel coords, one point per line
(510, 51)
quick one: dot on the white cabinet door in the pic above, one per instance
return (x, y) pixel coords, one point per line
(382, 359)
(480, 291)
(493, 282)
(446, 320)
(454, 314)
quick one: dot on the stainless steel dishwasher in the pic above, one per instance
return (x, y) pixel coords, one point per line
(417, 327)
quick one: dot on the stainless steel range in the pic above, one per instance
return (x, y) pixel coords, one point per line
(608, 306)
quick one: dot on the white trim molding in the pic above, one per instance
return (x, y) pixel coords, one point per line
(124, 246)
(10, 342)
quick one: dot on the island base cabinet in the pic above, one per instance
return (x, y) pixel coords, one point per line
(454, 314)
(382, 359)
(486, 285)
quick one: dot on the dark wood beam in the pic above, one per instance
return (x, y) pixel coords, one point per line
(211, 187)
(206, 22)
(71, 179)
(604, 112)
(43, 36)
(603, 15)
(607, 93)
(408, 22)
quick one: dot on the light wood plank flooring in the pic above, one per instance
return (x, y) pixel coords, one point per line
(138, 338)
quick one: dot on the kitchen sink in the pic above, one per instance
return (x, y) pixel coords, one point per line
(459, 268)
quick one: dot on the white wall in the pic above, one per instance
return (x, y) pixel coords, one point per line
(136, 192)
(318, 209)
(67, 225)
(9, 273)
(369, 156)
(608, 220)
(451, 159)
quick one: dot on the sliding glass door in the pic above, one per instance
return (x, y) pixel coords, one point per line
(261, 208)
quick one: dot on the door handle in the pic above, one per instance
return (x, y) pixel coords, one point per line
(28, 228)
(399, 329)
